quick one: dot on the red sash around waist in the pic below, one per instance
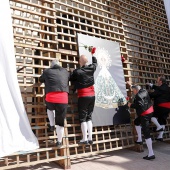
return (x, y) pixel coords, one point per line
(166, 105)
(57, 97)
(146, 112)
(89, 91)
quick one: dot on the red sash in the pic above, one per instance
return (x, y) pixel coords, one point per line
(57, 97)
(146, 112)
(166, 105)
(89, 91)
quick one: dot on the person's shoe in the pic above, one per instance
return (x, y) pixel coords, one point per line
(51, 128)
(159, 139)
(149, 157)
(59, 144)
(159, 130)
(90, 142)
(139, 143)
(83, 142)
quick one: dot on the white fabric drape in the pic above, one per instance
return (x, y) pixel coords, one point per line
(15, 131)
(167, 8)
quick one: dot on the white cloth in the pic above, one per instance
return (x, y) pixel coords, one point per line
(155, 121)
(161, 133)
(139, 133)
(90, 129)
(15, 131)
(84, 131)
(50, 114)
(167, 8)
(149, 145)
(60, 132)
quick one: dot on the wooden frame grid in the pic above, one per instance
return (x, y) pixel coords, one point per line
(47, 29)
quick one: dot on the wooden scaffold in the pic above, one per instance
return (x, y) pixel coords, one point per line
(46, 29)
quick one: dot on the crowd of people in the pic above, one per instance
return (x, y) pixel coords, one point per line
(150, 106)
(147, 112)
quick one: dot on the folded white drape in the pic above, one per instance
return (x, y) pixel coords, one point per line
(167, 8)
(15, 131)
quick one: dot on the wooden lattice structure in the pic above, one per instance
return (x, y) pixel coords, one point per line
(46, 29)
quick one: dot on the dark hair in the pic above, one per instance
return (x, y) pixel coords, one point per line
(163, 79)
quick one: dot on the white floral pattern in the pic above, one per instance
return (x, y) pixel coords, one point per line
(108, 94)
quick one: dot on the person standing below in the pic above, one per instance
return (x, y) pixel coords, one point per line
(161, 97)
(84, 81)
(144, 109)
(56, 80)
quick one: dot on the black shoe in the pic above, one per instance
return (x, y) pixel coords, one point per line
(139, 143)
(51, 128)
(159, 139)
(90, 142)
(59, 144)
(149, 157)
(160, 130)
(83, 143)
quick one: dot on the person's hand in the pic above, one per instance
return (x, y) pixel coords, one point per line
(129, 83)
(129, 104)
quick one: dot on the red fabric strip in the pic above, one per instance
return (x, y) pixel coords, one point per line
(166, 105)
(89, 91)
(57, 97)
(146, 112)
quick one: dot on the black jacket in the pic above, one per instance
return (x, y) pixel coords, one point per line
(84, 76)
(161, 94)
(55, 79)
(142, 102)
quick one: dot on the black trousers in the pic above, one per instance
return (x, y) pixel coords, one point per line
(162, 114)
(85, 108)
(144, 121)
(60, 112)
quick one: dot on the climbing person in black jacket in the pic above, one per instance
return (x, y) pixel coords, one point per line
(83, 79)
(144, 109)
(56, 80)
(161, 97)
